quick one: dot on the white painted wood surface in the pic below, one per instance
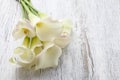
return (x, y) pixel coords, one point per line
(94, 53)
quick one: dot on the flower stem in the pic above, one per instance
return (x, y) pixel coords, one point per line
(30, 5)
(24, 13)
(36, 12)
(32, 9)
(25, 6)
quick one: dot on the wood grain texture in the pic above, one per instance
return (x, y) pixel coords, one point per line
(94, 52)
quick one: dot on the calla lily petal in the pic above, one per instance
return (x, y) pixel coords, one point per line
(23, 28)
(64, 39)
(48, 29)
(26, 42)
(23, 56)
(67, 27)
(49, 56)
(36, 45)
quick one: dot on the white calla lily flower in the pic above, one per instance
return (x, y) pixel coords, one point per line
(48, 57)
(64, 39)
(48, 29)
(36, 45)
(23, 56)
(23, 28)
(67, 27)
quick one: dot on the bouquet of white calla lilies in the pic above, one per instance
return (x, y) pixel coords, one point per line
(44, 38)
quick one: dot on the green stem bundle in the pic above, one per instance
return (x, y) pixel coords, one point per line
(27, 8)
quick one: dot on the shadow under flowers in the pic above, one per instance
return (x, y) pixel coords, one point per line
(42, 74)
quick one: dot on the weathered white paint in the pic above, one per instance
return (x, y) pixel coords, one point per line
(94, 53)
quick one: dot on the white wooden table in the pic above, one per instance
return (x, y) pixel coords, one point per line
(94, 53)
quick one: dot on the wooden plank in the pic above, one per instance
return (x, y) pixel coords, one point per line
(93, 53)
